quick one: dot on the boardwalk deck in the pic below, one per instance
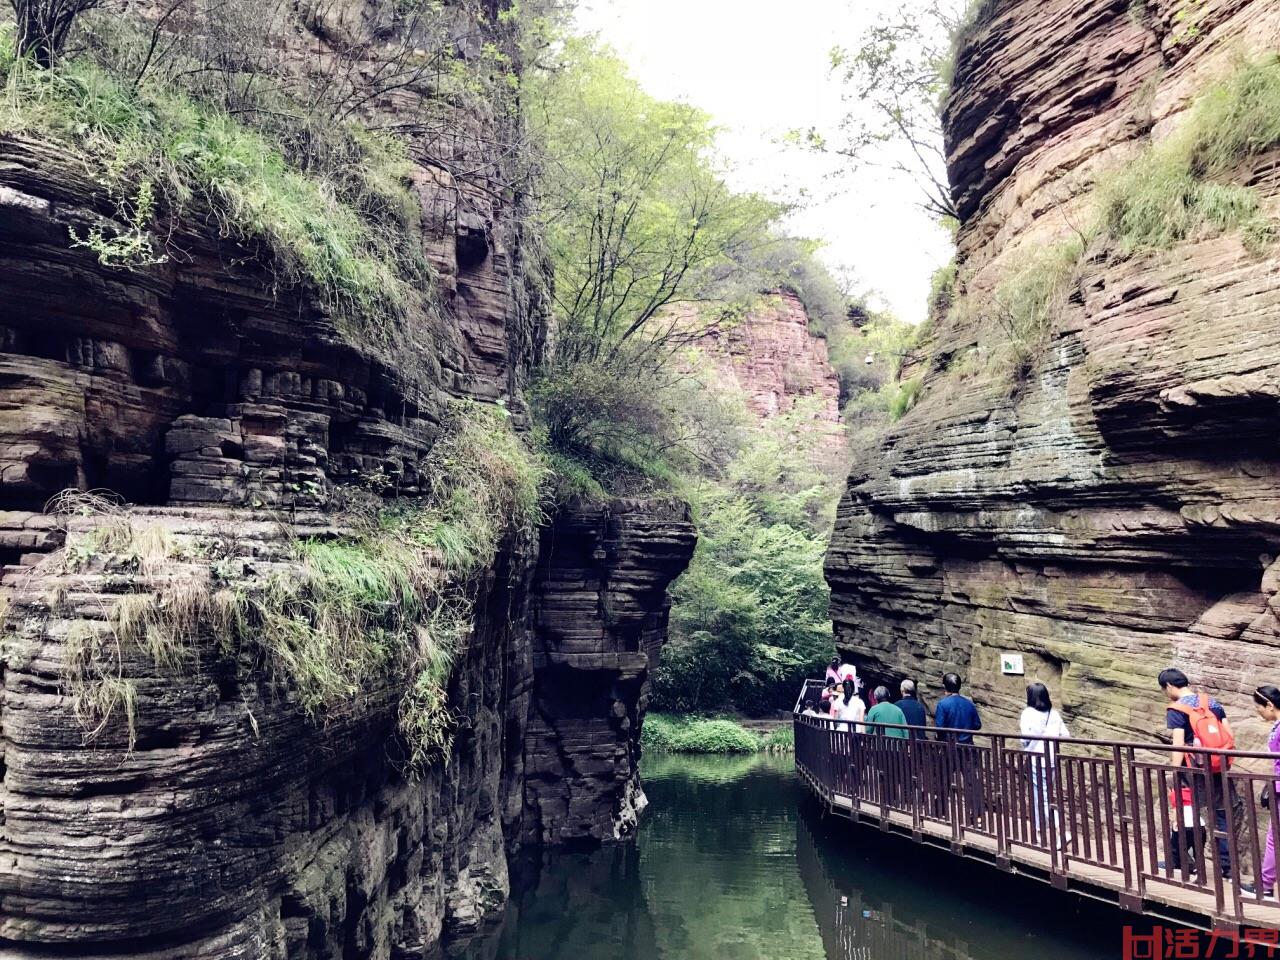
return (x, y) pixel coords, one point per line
(1103, 835)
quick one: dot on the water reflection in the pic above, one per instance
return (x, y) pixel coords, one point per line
(731, 863)
(880, 898)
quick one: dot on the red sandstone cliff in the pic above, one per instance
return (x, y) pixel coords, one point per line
(1120, 510)
(231, 413)
(773, 357)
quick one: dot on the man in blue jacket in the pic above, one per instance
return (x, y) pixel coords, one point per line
(911, 708)
(955, 712)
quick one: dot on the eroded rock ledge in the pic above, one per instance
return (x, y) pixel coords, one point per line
(227, 411)
(1120, 509)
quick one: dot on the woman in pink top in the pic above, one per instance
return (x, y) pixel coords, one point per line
(1267, 700)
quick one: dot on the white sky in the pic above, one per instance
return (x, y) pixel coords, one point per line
(760, 68)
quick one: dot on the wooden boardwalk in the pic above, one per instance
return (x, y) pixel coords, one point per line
(1107, 828)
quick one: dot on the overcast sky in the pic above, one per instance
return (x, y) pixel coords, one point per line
(760, 67)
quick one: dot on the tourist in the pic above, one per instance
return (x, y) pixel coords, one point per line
(911, 708)
(829, 690)
(847, 671)
(852, 709)
(957, 713)
(811, 708)
(1039, 720)
(833, 669)
(835, 701)
(1195, 719)
(1267, 700)
(885, 711)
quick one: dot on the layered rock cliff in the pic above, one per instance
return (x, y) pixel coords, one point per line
(1115, 510)
(212, 815)
(773, 357)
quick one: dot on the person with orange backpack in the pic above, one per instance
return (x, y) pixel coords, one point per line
(1195, 719)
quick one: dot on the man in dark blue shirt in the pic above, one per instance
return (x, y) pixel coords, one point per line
(956, 712)
(911, 708)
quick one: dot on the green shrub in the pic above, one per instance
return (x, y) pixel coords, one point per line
(1175, 189)
(351, 243)
(902, 395)
(717, 736)
(1157, 201)
(696, 735)
(661, 732)
(942, 289)
(782, 739)
(1027, 304)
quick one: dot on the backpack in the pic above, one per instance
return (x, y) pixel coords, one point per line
(1207, 731)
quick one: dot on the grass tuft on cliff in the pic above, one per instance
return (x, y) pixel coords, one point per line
(1028, 303)
(1180, 187)
(156, 151)
(388, 604)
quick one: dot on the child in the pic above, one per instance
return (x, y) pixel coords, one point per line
(1184, 822)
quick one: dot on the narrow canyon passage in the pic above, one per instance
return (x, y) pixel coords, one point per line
(731, 862)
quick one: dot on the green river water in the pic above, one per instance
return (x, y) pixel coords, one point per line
(733, 862)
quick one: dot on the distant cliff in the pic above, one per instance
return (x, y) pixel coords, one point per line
(773, 357)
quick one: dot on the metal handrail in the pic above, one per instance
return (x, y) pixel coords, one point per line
(1100, 803)
(1083, 741)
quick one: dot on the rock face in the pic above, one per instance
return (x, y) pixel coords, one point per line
(600, 616)
(777, 362)
(1120, 510)
(775, 359)
(232, 415)
(235, 827)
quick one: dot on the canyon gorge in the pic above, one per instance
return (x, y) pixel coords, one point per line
(205, 756)
(229, 424)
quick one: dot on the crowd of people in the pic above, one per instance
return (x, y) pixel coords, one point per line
(1192, 718)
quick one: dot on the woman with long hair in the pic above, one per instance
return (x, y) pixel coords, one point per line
(1041, 725)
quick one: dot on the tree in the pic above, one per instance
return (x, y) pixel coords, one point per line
(895, 79)
(638, 217)
(43, 26)
(649, 247)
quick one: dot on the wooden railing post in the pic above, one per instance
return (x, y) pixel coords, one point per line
(955, 786)
(998, 801)
(914, 765)
(1126, 854)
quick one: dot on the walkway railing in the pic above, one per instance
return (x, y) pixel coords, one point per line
(1105, 812)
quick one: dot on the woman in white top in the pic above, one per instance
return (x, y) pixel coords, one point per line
(1040, 720)
(852, 709)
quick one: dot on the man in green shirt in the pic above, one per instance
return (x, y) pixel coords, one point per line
(885, 712)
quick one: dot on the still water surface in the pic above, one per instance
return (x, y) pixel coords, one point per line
(733, 862)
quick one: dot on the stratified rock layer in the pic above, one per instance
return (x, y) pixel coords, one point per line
(231, 414)
(775, 359)
(1120, 510)
(600, 619)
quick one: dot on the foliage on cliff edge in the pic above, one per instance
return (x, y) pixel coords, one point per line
(334, 620)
